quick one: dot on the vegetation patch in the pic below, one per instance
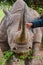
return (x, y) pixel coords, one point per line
(1, 14)
(9, 54)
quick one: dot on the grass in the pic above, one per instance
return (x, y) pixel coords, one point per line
(2, 6)
(1, 14)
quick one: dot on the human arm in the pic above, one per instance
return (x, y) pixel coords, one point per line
(35, 23)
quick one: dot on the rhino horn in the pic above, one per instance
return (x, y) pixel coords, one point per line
(6, 12)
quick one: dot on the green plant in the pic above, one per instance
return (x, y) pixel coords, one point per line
(6, 57)
(40, 10)
(9, 54)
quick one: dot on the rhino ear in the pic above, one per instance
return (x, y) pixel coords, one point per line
(5, 12)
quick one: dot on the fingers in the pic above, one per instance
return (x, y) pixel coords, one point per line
(28, 25)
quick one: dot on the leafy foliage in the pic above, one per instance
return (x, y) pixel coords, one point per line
(29, 2)
(38, 8)
(9, 54)
(9, 1)
(6, 57)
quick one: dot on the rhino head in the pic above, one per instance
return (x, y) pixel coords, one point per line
(18, 41)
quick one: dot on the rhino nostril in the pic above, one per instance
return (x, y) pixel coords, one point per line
(29, 47)
(14, 48)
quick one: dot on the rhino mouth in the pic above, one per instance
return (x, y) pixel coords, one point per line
(21, 48)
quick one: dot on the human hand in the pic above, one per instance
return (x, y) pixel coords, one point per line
(28, 25)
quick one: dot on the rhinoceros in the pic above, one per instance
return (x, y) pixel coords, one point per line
(12, 21)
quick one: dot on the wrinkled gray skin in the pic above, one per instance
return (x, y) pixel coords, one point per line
(10, 23)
